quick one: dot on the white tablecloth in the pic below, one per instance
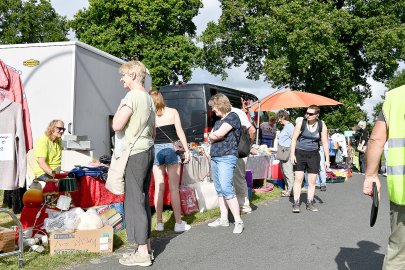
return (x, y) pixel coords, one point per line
(260, 165)
(198, 169)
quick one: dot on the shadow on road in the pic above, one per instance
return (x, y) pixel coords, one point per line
(363, 258)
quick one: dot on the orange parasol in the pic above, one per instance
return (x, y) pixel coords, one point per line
(292, 99)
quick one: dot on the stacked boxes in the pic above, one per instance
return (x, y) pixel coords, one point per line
(75, 142)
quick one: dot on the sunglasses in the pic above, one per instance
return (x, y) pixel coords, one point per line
(61, 129)
(310, 113)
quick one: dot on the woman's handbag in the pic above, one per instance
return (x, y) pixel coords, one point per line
(283, 153)
(177, 145)
(115, 179)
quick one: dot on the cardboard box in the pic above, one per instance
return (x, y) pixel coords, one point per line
(7, 240)
(97, 241)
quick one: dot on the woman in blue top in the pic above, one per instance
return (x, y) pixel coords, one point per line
(224, 154)
(305, 154)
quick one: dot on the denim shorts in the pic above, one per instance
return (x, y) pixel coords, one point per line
(165, 154)
(222, 169)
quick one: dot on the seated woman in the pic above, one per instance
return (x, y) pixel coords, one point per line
(48, 151)
(168, 130)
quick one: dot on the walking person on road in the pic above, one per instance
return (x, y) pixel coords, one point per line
(284, 144)
(305, 154)
(224, 156)
(361, 148)
(390, 126)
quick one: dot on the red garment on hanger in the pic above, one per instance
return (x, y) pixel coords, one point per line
(11, 81)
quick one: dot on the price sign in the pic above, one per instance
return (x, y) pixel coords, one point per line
(6, 146)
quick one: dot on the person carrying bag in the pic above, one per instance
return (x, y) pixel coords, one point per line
(283, 151)
(116, 172)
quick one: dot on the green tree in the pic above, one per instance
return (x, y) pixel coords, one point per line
(397, 81)
(326, 47)
(30, 21)
(159, 33)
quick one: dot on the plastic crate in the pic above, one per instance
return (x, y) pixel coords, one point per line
(7, 240)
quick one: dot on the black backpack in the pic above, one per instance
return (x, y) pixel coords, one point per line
(244, 141)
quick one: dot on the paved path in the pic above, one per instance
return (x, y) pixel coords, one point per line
(336, 237)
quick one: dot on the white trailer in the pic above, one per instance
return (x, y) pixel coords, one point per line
(71, 81)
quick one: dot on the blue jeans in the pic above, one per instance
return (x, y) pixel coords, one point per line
(321, 177)
(222, 174)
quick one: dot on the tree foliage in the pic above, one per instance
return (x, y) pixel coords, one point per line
(30, 21)
(159, 33)
(397, 81)
(327, 47)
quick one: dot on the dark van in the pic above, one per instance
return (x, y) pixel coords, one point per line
(191, 101)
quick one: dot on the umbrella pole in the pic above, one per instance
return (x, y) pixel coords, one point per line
(258, 126)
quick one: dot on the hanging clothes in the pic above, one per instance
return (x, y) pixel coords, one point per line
(13, 161)
(11, 82)
(340, 139)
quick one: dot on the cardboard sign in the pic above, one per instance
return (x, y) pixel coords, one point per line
(6, 146)
(99, 241)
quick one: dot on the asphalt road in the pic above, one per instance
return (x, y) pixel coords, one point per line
(336, 237)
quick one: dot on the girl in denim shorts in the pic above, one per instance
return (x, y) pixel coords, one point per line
(167, 161)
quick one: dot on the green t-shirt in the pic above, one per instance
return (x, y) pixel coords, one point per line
(51, 151)
(140, 102)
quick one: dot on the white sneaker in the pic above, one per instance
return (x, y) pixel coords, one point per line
(238, 227)
(160, 227)
(246, 209)
(182, 227)
(219, 223)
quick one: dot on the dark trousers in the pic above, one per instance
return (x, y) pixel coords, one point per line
(136, 205)
(362, 161)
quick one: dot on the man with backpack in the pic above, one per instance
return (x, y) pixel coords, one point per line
(305, 156)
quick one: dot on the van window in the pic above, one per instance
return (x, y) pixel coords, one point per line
(192, 117)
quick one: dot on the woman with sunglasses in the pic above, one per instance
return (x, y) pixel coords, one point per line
(48, 151)
(305, 154)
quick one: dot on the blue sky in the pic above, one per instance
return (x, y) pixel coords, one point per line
(236, 77)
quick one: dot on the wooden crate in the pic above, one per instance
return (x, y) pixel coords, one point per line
(7, 240)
